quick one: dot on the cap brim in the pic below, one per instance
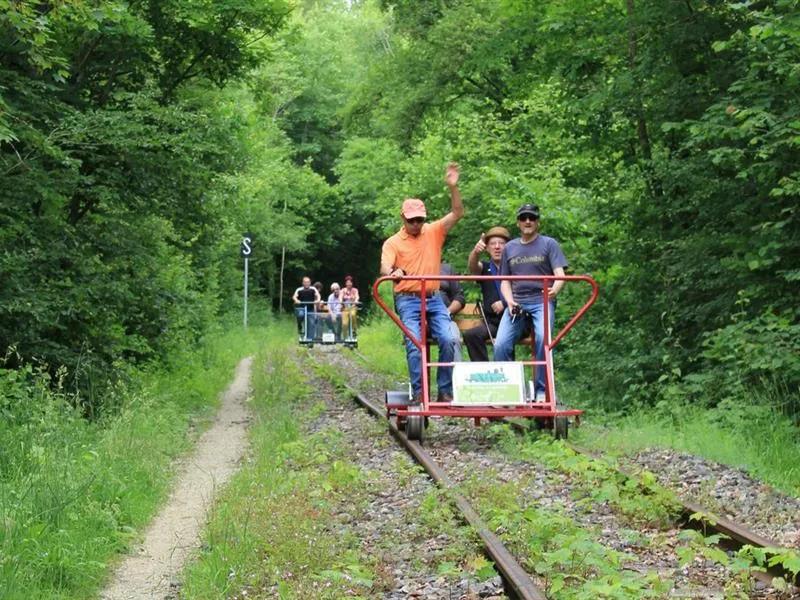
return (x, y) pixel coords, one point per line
(413, 214)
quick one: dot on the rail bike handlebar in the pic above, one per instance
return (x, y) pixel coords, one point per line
(545, 279)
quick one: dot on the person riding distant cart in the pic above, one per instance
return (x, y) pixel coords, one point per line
(529, 254)
(350, 301)
(334, 317)
(305, 299)
(417, 250)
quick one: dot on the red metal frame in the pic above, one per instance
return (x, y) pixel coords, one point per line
(530, 409)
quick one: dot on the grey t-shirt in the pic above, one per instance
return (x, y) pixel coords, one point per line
(538, 257)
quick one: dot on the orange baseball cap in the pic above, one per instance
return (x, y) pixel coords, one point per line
(413, 207)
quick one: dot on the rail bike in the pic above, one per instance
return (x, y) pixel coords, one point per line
(485, 390)
(316, 325)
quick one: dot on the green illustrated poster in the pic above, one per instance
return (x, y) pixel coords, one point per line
(488, 383)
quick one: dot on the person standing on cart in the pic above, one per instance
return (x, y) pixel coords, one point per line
(417, 250)
(305, 298)
(529, 254)
(493, 305)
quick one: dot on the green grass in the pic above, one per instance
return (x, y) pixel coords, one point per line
(74, 493)
(283, 528)
(269, 530)
(751, 436)
(381, 342)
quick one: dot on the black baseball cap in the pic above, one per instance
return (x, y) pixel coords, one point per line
(528, 209)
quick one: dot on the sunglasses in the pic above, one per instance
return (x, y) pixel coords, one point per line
(528, 218)
(416, 220)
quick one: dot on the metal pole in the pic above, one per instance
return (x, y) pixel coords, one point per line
(246, 260)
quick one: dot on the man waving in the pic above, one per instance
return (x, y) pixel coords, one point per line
(417, 250)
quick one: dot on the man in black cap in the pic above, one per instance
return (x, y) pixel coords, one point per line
(529, 254)
(493, 305)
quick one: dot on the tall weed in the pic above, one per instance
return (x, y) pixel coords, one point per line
(74, 491)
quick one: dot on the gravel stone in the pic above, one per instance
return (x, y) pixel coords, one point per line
(464, 450)
(388, 525)
(729, 492)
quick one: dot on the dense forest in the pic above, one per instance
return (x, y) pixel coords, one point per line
(139, 139)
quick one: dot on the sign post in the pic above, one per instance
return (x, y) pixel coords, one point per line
(246, 250)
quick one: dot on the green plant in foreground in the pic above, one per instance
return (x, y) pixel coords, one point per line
(638, 497)
(282, 526)
(573, 564)
(76, 492)
(747, 561)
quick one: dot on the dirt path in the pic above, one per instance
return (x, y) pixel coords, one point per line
(151, 569)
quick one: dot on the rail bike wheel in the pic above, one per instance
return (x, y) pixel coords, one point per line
(415, 426)
(561, 428)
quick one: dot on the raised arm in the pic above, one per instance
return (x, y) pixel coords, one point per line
(456, 205)
(473, 264)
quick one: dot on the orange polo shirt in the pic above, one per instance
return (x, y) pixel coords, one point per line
(419, 255)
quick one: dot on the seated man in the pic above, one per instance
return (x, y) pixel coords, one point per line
(453, 298)
(350, 300)
(493, 304)
(529, 254)
(305, 299)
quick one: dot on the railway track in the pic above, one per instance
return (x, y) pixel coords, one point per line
(517, 581)
(734, 537)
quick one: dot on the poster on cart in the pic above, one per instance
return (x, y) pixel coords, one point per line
(488, 383)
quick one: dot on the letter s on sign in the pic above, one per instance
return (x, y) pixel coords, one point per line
(247, 247)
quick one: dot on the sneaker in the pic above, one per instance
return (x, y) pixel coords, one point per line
(540, 398)
(444, 398)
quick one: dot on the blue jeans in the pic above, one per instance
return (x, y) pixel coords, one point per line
(508, 333)
(306, 321)
(409, 309)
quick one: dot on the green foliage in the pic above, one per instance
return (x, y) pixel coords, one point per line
(637, 496)
(117, 238)
(573, 565)
(751, 433)
(660, 142)
(73, 493)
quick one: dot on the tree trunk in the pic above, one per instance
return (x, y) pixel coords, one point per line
(638, 108)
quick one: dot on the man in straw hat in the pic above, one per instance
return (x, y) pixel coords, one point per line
(417, 250)
(493, 305)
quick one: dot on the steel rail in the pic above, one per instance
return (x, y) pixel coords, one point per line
(512, 572)
(692, 515)
(695, 516)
